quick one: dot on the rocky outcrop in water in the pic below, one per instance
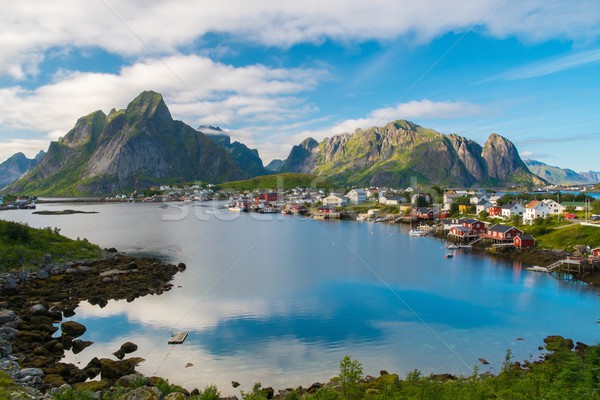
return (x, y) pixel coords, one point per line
(33, 302)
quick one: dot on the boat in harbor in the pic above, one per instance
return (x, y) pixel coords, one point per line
(452, 247)
(449, 255)
(416, 232)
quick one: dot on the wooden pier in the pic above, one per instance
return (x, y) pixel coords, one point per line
(178, 337)
(569, 267)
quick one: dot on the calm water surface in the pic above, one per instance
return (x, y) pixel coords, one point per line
(281, 300)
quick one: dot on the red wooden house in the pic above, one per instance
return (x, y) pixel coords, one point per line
(326, 209)
(495, 211)
(424, 213)
(270, 196)
(503, 232)
(475, 225)
(596, 252)
(524, 241)
(463, 232)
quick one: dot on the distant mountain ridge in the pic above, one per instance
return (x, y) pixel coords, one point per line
(247, 159)
(132, 148)
(16, 166)
(562, 176)
(143, 146)
(395, 153)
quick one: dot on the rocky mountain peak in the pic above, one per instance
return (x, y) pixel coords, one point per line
(502, 157)
(86, 130)
(150, 105)
(309, 143)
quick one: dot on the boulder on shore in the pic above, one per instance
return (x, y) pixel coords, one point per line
(72, 328)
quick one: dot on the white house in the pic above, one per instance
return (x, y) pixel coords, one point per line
(475, 199)
(494, 199)
(357, 196)
(335, 200)
(482, 206)
(449, 198)
(535, 209)
(554, 207)
(510, 210)
(391, 200)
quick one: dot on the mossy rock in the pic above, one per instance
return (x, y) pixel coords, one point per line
(72, 328)
(128, 347)
(144, 392)
(175, 396)
(54, 380)
(114, 370)
(558, 343)
(93, 386)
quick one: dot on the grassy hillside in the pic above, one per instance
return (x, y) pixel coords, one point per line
(566, 238)
(24, 247)
(280, 181)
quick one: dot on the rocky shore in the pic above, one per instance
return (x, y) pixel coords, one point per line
(31, 303)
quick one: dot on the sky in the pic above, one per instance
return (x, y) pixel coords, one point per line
(272, 73)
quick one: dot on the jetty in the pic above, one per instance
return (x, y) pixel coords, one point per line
(570, 266)
(178, 338)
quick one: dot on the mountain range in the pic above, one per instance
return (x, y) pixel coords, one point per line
(17, 165)
(137, 147)
(401, 150)
(142, 146)
(562, 176)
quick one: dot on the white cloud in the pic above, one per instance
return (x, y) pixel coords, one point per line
(550, 66)
(197, 90)
(146, 27)
(29, 147)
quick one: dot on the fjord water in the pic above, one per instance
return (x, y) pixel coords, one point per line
(281, 299)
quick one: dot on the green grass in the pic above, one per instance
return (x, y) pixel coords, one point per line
(9, 389)
(566, 238)
(280, 181)
(23, 247)
(564, 372)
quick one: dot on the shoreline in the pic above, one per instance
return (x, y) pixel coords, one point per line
(47, 310)
(33, 302)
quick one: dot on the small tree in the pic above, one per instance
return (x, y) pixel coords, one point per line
(350, 373)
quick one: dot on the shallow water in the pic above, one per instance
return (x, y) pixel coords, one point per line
(281, 300)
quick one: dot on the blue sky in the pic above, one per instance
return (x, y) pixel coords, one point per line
(273, 73)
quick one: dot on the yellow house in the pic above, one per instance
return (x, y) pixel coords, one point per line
(405, 208)
(464, 208)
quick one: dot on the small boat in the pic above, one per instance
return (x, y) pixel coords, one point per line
(452, 247)
(416, 232)
(449, 255)
(235, 209)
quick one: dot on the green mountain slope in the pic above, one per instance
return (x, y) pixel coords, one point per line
(401, 150)
(132, 148)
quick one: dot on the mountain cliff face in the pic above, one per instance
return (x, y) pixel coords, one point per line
(132, 148)
(395, 153)
(561, 176)
(591, 176)
(247, 159)
(15, 166)
(275, 165)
